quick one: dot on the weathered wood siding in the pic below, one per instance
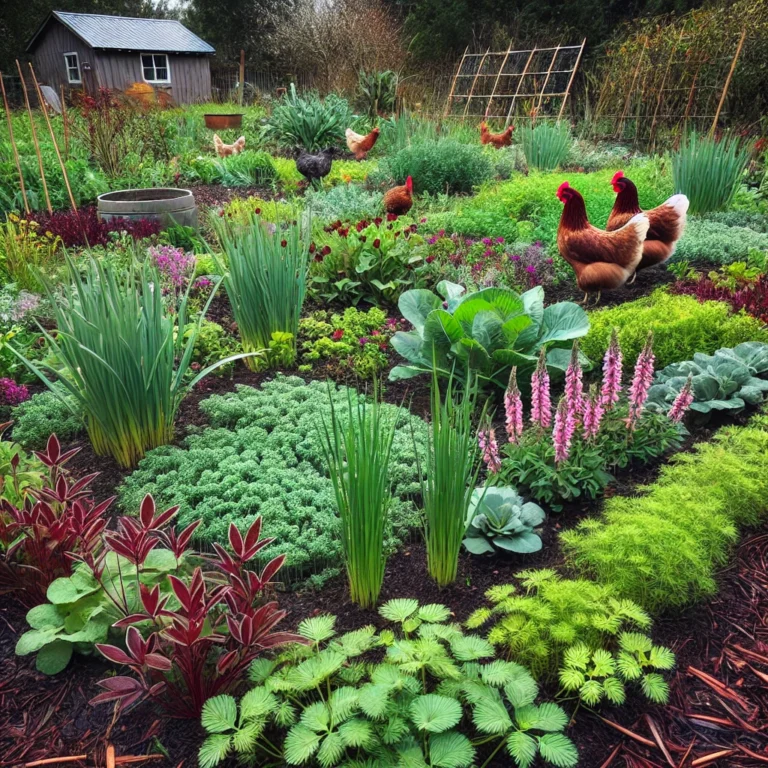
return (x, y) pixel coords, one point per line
(190, 74)
(48, 57)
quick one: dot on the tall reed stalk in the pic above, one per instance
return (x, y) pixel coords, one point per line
(709, 171)
(123, 356)
(266, 281)
(357, 450)
(545, 145)
(448, 479)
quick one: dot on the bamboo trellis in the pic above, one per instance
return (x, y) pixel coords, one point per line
(491, 85)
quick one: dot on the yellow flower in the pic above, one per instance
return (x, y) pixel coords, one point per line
(13, 217)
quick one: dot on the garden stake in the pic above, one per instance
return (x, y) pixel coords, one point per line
(13, 145)
(53, 137)
(34, 138)
(65, 122)
(728, 82)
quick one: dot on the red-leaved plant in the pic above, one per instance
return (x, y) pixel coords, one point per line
(55, 524)
(202, 647)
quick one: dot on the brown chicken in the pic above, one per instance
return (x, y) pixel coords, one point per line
(225, 150)
(667, 221)
(359, 145)
(498, 140)
(399, 200)
(601, 260)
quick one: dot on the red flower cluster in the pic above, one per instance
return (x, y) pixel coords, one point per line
(84, 228)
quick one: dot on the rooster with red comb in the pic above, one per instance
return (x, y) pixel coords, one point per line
(667, 221)
(601, 260)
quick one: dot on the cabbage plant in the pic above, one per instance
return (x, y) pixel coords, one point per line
(484, 333)
(498, 519)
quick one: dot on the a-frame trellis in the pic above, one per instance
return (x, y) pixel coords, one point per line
(496, 85)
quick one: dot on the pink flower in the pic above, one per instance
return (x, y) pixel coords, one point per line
(612, 362)
(12, 393)
(562, 432)
(682, 401)
(541, 404)
(574, 383)
(593, 413)
(641, 383)
(490, 449)
(513, 408)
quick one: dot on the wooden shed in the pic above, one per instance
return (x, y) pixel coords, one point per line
(90, 51)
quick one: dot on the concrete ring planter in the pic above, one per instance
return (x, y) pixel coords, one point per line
(167, 205)
(222, 122)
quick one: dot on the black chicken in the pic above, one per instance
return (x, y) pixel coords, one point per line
(314, 167)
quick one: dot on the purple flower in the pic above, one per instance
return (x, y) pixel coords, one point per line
(486, 439)
(432, 240)
(364, 340)
(441, 233)
(12, 393)
(174, 266)
(549, 261)
(487, 241)
(513, 409)
(530, 269)
(26, 303)
(541, 404)
(562, 432)
(203, 282)
(574, 383)
(500, 240)
(641, 383)
(488, 253)
(514, 257)
(682, 401)
(593, 413)
(612, 362)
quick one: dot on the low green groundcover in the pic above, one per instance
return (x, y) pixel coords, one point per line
(261, 456)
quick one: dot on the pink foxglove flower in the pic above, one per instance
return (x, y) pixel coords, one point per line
(682, 401)
(541, 404)
(593, 413)
(612, 362)
(562, 433)
(513, 408)
(641, 383)
(574, 383)
(490, 449)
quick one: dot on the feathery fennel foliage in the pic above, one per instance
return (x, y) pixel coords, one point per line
(436, 693)
(662, 549)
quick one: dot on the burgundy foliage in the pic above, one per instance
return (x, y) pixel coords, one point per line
(751, 297)
(202, 642)
(84, 228)
(56, 523)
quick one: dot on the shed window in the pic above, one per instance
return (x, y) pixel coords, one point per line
(72, 64)
(155, 67)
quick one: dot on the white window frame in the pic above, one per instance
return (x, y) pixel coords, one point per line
(69, 69)
(154, 67)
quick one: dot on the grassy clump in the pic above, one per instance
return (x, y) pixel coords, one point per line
(262, 455)
(545, 145)
(662, 549)
(681, 327)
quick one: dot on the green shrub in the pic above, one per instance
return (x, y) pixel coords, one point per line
(587, 157)
(662, 549)
(247, 169)
(717, 242)
(545, 145)
(446, 165)
(43, 415)
(344, 202)
(681, 327)
(755, 221)
(308, 121)
(262, 456)
(709, 171)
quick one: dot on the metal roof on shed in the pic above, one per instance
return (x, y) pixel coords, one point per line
(128, 34)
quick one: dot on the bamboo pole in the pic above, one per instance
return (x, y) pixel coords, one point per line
(519, 86)
(544, 84)
(13, 146)
(34, 138)
(474, 82)
(449, 103)
(728, 81)
(631, 88)
(65, 123)
(241, 89)
(53, 137)
(496, 82)
(571, 79)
